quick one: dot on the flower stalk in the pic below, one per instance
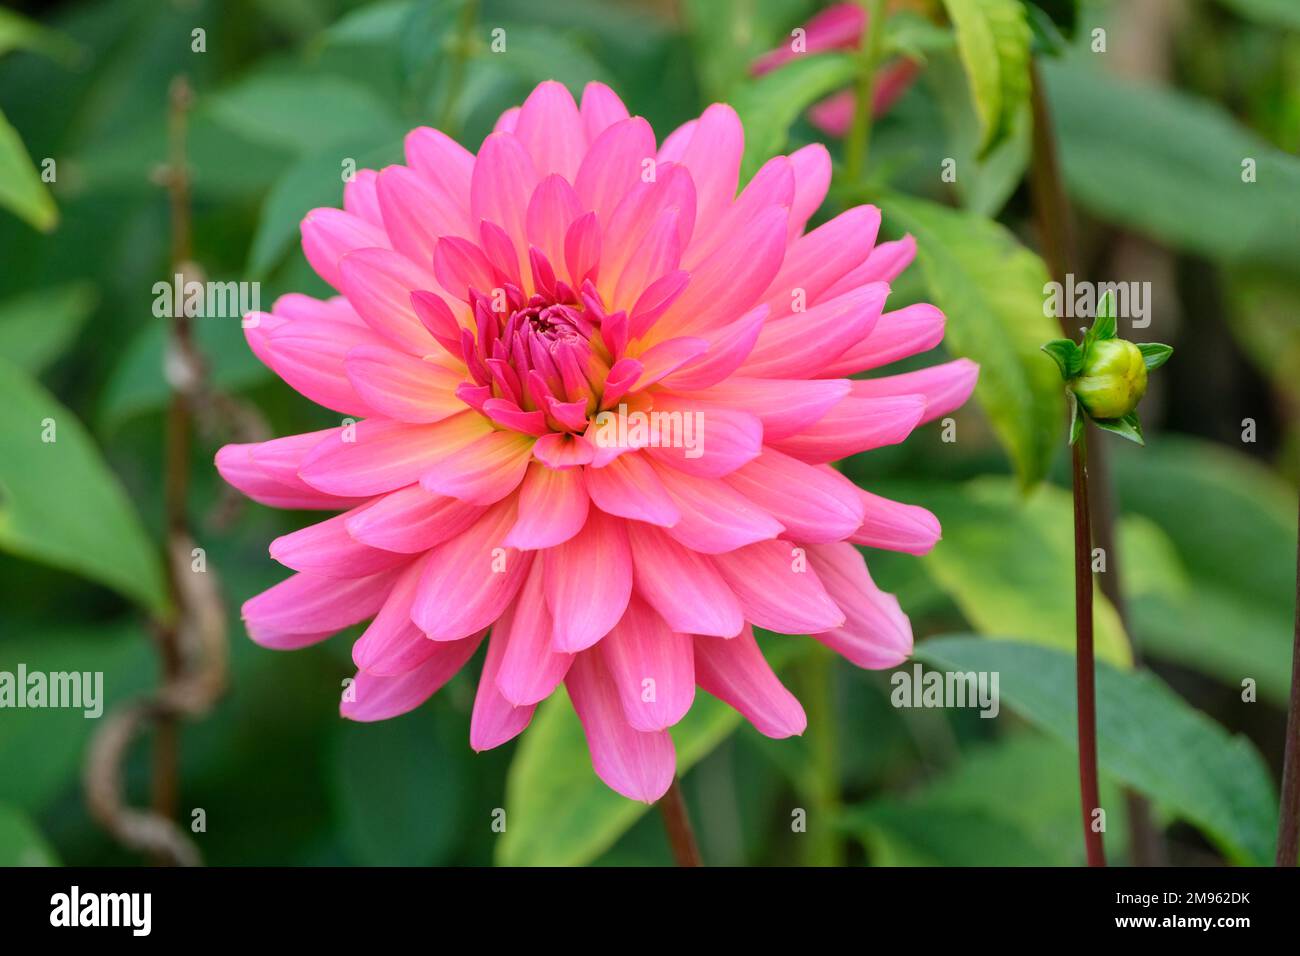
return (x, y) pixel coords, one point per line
(677, 824)
(1288, 831)
(858, 143)
(1085, 669)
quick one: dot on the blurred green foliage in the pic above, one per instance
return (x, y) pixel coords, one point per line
(283, 90)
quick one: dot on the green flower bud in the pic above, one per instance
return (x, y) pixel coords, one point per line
(1113, 380)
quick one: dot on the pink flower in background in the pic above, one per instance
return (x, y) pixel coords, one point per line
(492, 307)
(840, 27)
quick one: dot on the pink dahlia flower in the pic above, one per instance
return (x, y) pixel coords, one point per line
(840, 27)
(492, 307)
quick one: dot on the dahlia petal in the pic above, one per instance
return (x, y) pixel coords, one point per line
(551, 130)
(907, 331)
(361, 197)
(495, 720)
(736, 673)
(630, 488)
(411, 520)
(552, 209)
(601, 108)
(384, 455)
(235, 464)
(784, 406)
(814, 261)
(400, 386)
(713, 158)
(379, 283)
(392, 644)
(715, 517)
(373, 697)
(308, 355)
(658, 253)
(723, 286)
(885, 264)
(614, 163)
(553, 507)
(814, 505)
(503, 181)
(416, 213)
(839, 26)
(778, 589)
(722, 439)
(652, 668)
(772, 185)
(328, 550)
(507, 121)
(588, 583)
(945, 387)
(895, 526)
(643, 204)
(530, 668)
(558, 450)
(728, 347)
(582, 248)
(471, 578)
(330, 234)
(683, 586)
(812, 179)
(802, 344)
(442, 162)
(484, 472)
(855, 425)
(640, 766)
(675, 143)
(661, 360)
(309, 604)
(876, 633)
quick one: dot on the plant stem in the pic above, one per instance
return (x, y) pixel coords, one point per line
(459, 58)
(1085, 675)
(859, 140)
(677, 822)
(1056, 237)
(1288, 828)
(818, 670)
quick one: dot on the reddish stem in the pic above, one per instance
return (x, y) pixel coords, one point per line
(672, 806)
(1085, 674)
(1288, 828)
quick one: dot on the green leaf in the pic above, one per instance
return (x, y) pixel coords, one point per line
(912, 35)
(1234, 620)
(993, 40)
(21, 189)
(1013, 802)
(136, 385)
(983, 180)
(1067, 355)
(315, 180)
(398, 790)
(1147, 737)
(991, 289)
(50, 744)
(36, 327)
(559, 813)
(59, 502)
(1154, 354)
(1280, 13)
(1124, 152)
(302, 113)
(17, 32)
(1008, 562)
(1127, 427)
(770, 104)
(21, 844)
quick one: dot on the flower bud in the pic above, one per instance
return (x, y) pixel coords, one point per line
(1113, 380)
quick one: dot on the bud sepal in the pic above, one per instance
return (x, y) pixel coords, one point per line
(1106, 376)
